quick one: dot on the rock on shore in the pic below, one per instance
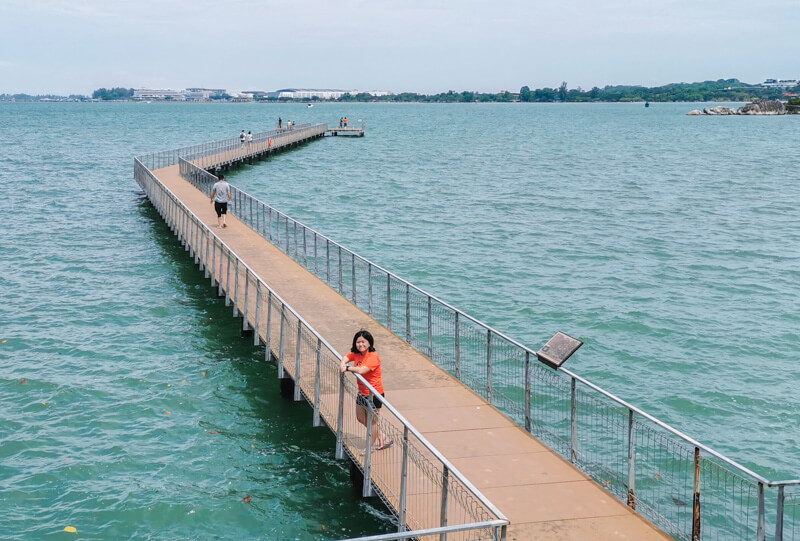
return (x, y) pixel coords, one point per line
(758, 107)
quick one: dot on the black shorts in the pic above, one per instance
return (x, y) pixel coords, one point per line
(221, 208)
(362, 401)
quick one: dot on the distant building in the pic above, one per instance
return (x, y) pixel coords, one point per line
(781, 83)
(322, 94)
(158, 94)
(203, 94)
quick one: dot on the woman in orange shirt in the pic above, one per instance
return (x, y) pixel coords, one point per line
(367, 363)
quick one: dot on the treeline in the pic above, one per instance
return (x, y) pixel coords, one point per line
(41, 97)
(112, 93)
(720, 90)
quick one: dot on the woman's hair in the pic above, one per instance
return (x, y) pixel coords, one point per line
(368, 336)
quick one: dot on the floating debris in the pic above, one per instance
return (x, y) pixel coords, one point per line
(71, 529)
(679, 503)
(247, 499)
(22, 380)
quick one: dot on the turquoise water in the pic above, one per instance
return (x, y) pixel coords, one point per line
(668, 244)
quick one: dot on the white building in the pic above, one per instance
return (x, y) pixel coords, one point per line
(158, 94)
(202, 94)
(781, 83)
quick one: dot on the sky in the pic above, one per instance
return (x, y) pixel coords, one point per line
(76, 46)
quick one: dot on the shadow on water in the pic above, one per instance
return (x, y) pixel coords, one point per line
(307, 480)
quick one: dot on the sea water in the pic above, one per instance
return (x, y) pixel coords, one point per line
(668, 244)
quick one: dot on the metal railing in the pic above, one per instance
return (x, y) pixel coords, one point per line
(230, 148)
(686, 488)
(430, 496)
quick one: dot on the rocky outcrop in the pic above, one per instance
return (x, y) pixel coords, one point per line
(763, 107)
(758, 107)
(719, 110)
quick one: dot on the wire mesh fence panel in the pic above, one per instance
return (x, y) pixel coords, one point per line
(398, 308)
(508, 377)
(728, 503)
(550, 408)
(442, 340)
(362, 293)
(472, 346)
(664, 479)
(600, 444)
(791, 515)
(379, 295)
(418, 320)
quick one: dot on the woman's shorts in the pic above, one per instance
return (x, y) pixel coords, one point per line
(362, 401)
(221, 208)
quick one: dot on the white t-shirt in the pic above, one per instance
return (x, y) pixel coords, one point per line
(221, 189)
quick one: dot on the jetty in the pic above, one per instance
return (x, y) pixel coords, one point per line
(489, 442)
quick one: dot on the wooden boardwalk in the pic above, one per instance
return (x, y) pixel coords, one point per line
(542, 495)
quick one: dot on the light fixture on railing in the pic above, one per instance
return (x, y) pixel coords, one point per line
(558, 349)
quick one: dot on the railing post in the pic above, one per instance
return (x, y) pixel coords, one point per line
(408, 313)
(528, 423)
(761, 531)
(316, 261)
(268, 333)
(213, 259)
(204, 253)
(245, 325)
(401, 507)
(317, 383)
(366, 489)
(696, 497)
(270, 224)
(445, 494)
(280, 344)
(257, 317)
(353, 263)
(341, 286)
(430, 327)
(389, 301)
(779, 514)
(369, 288)
(235, 287)
(298, 349)
(573, 420)
(228, 282)
(340, 419)
(328, 260)
(489, 384)
(631, 461)
(457, 346)
(305, 248)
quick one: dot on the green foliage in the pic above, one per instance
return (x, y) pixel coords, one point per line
(113, 93)
(794, 101)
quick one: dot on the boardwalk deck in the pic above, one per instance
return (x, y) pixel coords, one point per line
(542, 495)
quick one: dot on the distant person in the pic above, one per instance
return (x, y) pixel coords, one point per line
(242, 137)
(221, 196)
(341, 121)
(249, 138)
(345, 122)
(367, 363)
(279, 122)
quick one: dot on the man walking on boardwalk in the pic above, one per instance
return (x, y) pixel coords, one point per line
(220, 196)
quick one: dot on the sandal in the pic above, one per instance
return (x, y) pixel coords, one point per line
(385, 445)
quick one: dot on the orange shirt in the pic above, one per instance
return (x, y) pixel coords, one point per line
(373, 377)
